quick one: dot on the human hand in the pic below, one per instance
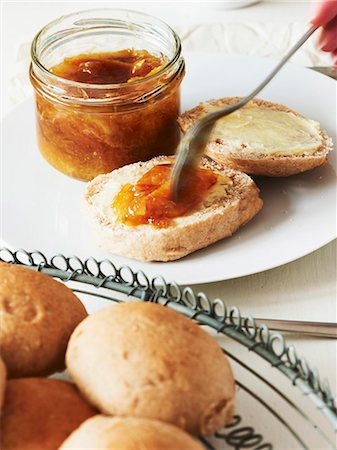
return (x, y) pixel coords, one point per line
(325, 16)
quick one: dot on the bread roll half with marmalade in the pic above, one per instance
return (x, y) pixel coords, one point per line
(262, 138)
(230, 203)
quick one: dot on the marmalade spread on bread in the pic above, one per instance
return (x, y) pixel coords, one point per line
(94, 129)
(149, 200)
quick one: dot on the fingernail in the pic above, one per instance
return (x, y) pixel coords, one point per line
(327, 48)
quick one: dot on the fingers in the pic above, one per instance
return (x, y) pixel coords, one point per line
(328, 37)
(326, 11)
(334, 56)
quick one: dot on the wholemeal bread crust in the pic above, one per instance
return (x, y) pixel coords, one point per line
(147, 243)
(38, 315)
(101, 432)
(140, 359)
(254, 164)
(3, 376)
(40, 413)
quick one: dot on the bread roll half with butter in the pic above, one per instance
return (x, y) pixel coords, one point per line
(262, 138)
(229, 204)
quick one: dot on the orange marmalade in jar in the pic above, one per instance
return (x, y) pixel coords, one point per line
(107, 88)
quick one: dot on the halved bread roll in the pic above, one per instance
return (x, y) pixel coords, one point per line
(262, 138)
(229, 204)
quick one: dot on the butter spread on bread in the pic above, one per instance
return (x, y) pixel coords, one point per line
(267, 131)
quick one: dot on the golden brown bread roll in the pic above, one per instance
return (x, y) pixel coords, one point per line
(145, 360)
(38, 315)
(105, 433)
(3, 375)
(40, 413)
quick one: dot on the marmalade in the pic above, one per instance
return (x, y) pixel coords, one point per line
(108, 67)
(86, 130)
(149, 201)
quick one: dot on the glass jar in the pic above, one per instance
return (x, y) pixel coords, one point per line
(87, 129)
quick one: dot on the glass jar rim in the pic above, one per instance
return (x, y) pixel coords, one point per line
(81, 85)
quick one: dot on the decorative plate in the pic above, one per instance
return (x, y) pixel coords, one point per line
(282, 403)
(42, 207)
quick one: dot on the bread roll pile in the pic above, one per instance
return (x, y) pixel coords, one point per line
(37, 316)
(144, 376)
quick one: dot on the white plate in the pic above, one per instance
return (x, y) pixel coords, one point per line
(230, 4)
(41, 207)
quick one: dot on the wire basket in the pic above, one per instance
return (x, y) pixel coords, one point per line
(282, 402)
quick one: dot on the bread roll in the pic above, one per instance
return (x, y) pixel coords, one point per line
(106, 433)
(144, 360)
(38, 314)
(3, 375)
(40, 413)
(232, 202)
(262, 138)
